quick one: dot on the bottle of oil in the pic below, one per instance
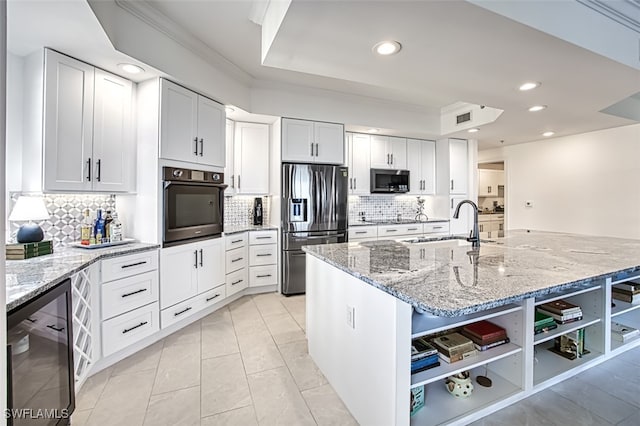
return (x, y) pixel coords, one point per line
(85, 228)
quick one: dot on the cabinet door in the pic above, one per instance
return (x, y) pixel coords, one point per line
(113, 142)
(178, 123)
(380, 156)
(398, 151)
(484, 183)
(68, 123)
(297, 140)
(458, 166)
(211, 130)
(252, 158)
(360, 168)
(178, 279)
(464, 224)
(414, 165)
(329, 140)
(428, 162)
(211, 261)
(229, 170)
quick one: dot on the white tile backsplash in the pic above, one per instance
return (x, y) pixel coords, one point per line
(238, 210)
(381, 207)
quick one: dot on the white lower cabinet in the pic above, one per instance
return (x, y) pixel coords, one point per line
(129, 293)
(263, 258)
(381, 232)
(236, 281)
(129, 328)
(179, 311)
(263, 275)
(363, 233)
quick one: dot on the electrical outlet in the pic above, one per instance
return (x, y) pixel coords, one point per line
(351, 316)
(528, 203)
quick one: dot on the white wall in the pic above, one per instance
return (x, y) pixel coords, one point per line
(3, 306)
(585, 184)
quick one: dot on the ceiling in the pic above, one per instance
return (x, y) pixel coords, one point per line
(453, 51)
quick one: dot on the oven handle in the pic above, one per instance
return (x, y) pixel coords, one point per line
(168, 183)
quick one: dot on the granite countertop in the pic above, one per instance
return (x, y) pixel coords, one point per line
(448, 278)
(394, 222)
(234, 229)
(30, 277)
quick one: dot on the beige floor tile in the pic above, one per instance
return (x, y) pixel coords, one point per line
(146, 359)
(277, 400)
(224, 385)
(243, 304)
(259, 352)
(124, 400)
(218, 339)
(179, 368)
(284, 328)
(245, 416)
(304, 371)
(221, 315)
(269, 304)
(327, 408)
(90, 392)
(180, 407)
(187, 335)
(80, 417)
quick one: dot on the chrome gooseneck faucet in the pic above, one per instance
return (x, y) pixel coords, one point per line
(474, 237)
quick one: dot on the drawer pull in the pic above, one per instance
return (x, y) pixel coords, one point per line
(182, 311)
(134, 292)
(361, 232)
(236, 282)
(53, 327)
(263, 254)
(263, 276)
(236, 241)
(438, 227)
(391, 230)
(236, 260)
(134, 264)
(209, 299)
(264, 238)
(126, 330)
(412, 229)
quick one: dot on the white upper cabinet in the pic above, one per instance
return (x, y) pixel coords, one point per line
(488, 182)
(421, 161)
(388, 152)
(192, 127)
(88, 134)
(306, 141)
(251, 158)
(453, 166)
(229, 171)
(358, 162)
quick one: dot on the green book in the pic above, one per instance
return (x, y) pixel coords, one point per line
(29, 246)
(28, 255)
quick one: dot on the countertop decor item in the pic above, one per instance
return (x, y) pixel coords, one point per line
(29, 209)
(460, 385)
(421, 216)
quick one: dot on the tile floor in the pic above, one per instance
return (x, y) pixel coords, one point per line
(247, 364)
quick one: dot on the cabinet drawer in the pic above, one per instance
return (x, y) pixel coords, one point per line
(236, 240)
(263, 255)
(263, 237)
(434, 228)
(213, 296)
(413, 229)
(263, 275)
(181, 310)
(236, 281)
(236, 259)
(129, 328)
(388, 231)
(128, 294)
(126, 266)
(360, 232)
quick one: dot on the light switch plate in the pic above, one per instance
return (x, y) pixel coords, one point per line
(351, 316)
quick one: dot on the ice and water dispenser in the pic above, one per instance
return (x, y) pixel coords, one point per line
(298, 209)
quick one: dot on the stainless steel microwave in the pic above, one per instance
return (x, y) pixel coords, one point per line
(389, 181)
(193, 205)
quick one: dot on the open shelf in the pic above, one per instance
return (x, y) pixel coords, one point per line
(622, 307)
(630, 318)
(547, 364)
(564, 329)
(568, 293)
(441, 407)
(624, 279)
(445, 369)
(423, 324)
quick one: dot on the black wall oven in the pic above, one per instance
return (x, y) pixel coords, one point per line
(193, 205)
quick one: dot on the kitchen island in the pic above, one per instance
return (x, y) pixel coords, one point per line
(366, 301)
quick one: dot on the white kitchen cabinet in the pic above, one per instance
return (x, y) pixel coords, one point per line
(421, 162)
(251, 158)
(464, 224)
(358, 162)
(453, 166)
(88, 128)
(229, 170)
(363, 233)
(211, 266)
(388, 152)
(237, 260)
(306, 141)
(192, 127)
(488, 182)
(263, 258)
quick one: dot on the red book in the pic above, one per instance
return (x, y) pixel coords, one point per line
(484, 332)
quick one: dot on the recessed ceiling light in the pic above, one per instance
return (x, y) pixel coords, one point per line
(529, 85)
(474, 130)
(131, 69)
(229, 110)
(373, 131)
(388, 47)
(547, 134)
(536, 108)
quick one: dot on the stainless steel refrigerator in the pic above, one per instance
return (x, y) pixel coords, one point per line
(314, 211)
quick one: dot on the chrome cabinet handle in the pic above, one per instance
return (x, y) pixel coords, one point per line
(391, 158)
(391, 230)
(238, 181)
(452, 203)
(201, 146)
(388, 159)
(89, 169)
(316, 150)
(195, 151)
(438, 227)
(195, 252)
(126, 330)
(355, 185)
(98, 164)
(233, 179)
(412, 229)
(134, 292)
(182, 311)
(201, 257)
(312, 149)
(452, 184)
(263, 238)
(350, 183)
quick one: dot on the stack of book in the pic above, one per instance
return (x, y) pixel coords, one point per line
(570, 345)
(454, 347)
(20, 251)
(561, 311)
(543, 323)
(623, 333)
(485, 335)
(423, 355)
(627, 292)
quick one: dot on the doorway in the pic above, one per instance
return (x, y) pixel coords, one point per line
(491, 199)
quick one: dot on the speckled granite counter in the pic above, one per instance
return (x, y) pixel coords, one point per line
(394, 222)
(30, 277)
(447, 278)
(234, 229)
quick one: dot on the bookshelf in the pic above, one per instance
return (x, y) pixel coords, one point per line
(627, 314)
(548, 365)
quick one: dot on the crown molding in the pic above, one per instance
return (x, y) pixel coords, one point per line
(144, 11)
